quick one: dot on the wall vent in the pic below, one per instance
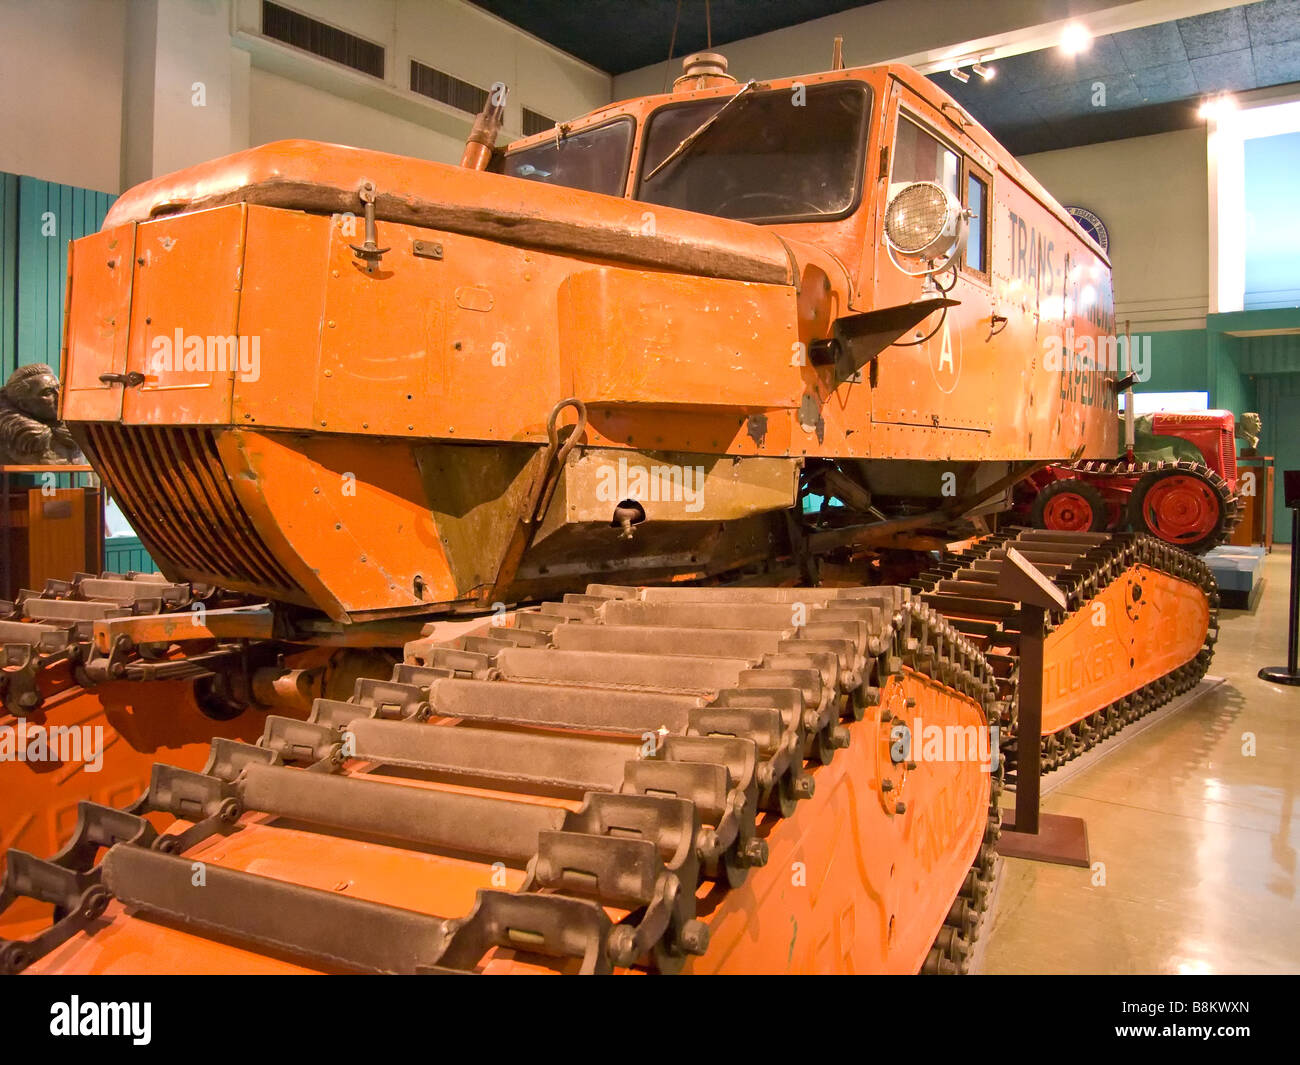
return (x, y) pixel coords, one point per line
(319, 38)
(536, 122)
(442, 87)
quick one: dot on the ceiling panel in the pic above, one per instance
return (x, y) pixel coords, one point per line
(1154, 77)
(1218, 31)
(621, 35)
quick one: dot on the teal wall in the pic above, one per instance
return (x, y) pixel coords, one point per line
(1279, 409)
(1241, 373)
(1200, 360)
(8, 271)
(37, 219)
(1178, 362)
(122, 554)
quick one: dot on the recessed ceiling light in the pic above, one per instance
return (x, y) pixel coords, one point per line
(959, 74)
(1218, 107)
(1075, 38)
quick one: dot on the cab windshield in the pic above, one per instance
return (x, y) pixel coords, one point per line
(594, 159)
(788, 155)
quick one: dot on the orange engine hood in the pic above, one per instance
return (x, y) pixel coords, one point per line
(308, 175)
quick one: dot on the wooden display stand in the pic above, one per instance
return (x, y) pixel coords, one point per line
(1256, 527)
(49, 527)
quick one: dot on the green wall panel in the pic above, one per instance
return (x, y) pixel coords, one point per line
(1230, 389)
(122, 554)
(1279, 353)
(1279, 399)
(49, 216)
(1178, 362)
(8, 270)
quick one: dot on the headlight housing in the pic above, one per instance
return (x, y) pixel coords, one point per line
(923, 220)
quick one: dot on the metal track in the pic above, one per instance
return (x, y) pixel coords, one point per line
(677, 714)
(40, 630)
(963, 587)
(1232, 508)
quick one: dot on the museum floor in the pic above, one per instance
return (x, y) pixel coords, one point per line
(1198, 840)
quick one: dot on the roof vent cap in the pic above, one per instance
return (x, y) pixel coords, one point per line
(703, 70)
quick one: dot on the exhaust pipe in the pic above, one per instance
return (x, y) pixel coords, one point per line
(483, 136)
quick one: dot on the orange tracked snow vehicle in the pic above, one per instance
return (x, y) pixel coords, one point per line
(589, 464)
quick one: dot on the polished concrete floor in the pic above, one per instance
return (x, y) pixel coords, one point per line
(1196, 837)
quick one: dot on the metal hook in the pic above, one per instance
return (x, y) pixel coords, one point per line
(370, 251)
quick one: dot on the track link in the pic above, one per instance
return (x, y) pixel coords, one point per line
(684, 719)
(42, 631)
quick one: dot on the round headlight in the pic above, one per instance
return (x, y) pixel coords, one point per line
(921, 220)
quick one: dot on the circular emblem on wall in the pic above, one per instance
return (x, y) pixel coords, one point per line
(1092, 225)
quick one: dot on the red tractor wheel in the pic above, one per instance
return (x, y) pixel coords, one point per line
(1070, 506)
(1179, 507)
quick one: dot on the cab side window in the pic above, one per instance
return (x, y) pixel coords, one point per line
(921, 157)
(977, 202)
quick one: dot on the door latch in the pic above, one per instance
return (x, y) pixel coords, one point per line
(132, 379)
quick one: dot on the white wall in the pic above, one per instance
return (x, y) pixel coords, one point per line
(282, 109)
(196, 85)
(102, 93)
(1152, 194)
(61, 79)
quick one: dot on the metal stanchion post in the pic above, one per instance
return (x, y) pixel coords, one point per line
(1290, 673)
(1033, 834)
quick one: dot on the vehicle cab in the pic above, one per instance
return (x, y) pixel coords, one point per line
(821, 161)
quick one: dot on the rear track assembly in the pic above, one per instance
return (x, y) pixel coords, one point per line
(963, 588)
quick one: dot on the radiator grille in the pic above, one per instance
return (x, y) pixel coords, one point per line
(174, 491)
(1228, 452)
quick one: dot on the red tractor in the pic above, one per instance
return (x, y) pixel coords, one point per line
(1177, 481)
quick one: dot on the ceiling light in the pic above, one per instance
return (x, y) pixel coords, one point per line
(1218, 107)
(960, 74)
(987, 73)
(1075, 38)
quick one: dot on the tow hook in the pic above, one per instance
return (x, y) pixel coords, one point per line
(627, 514)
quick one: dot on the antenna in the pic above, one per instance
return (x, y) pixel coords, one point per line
(672, 44)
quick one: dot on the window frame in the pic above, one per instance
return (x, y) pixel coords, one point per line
(971, 169)
(565, 135)
(863, 88)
